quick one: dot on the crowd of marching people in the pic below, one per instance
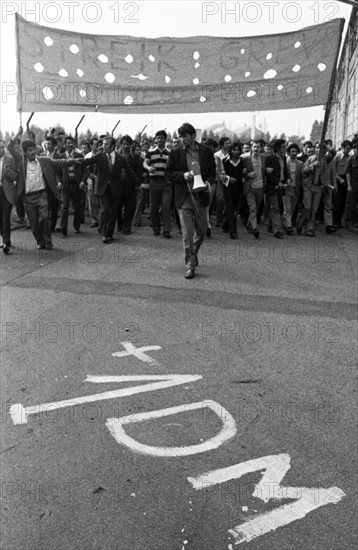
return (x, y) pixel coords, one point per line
(181, 181)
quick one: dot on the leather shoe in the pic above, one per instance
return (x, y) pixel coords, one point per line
(208, 232)
(167, 235)
(49, 245)
(94, 224)
(310, 234)
(190, 274)
(278, 235)
(330, 229)
(106, 240)
(256, 233)
(5, 248)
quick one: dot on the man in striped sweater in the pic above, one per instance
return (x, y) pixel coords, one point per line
(160, 188)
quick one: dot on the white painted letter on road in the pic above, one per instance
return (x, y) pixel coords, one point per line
(275, 468)
(19, 413)
(228, 430)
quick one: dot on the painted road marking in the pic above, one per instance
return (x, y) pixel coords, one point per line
(269, 488)
(228, 430)
(19, 413)
(139, 353)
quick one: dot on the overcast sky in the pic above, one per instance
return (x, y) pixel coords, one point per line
(154, 19)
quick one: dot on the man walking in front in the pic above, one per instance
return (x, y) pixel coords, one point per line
(183, 163)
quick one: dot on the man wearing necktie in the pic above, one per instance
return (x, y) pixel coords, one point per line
(108, 184)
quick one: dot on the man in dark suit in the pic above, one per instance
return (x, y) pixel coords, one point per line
(53, 203)
(111, 167)
(8, 176)
(277, 178)
(128, 187)
(192, 207)
(36, 175)
(71, 184)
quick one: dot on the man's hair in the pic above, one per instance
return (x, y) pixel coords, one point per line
(27, 144)
(222, 140)
(262, 142)
(111, 139)
(354, 143)
(346, 143)
(248, 143)
(126, 138)
(70, 138)
(93, 140)
(235, 145)
(161, 133)
(292, 146)
(278, 144)
(308, 144)
(186, 128)
(85, 142)
(52, 139)
(210, 142)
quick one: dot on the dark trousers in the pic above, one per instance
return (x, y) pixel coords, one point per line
(20, 209)
(5, 215)
(160, 195)
(351, 213)
(340, 201)
(71, 194)
(53, 205)
(127, 201)
(109, 203)
(233, 199)
(36, 207)
(83, 197)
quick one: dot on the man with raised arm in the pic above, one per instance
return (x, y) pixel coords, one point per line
(36, 176)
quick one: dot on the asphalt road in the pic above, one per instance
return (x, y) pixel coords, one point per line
(269, 328)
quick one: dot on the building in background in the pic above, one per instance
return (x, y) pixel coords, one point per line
(343, 120)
